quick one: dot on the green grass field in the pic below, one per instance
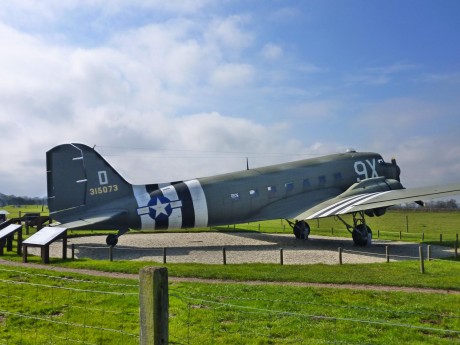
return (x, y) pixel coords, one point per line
(32, 312)
(46, 307)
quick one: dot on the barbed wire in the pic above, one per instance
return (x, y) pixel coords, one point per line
(70, 289)
(44, 299)
(68, 323)
(68, 279)
(245, 299)
(249, 309)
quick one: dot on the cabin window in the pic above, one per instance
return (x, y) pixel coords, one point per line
(338, 177)
(235, 196)
(289, 186)
(253, 193)
(306, 183)
(271, 191)
(322, 180)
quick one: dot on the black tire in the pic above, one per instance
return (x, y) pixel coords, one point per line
(301, 230)
(111, 240)
(362, 235)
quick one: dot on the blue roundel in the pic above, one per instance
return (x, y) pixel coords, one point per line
(160, 208)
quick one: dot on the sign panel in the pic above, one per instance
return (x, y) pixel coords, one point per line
(45, 236)
(9, 230)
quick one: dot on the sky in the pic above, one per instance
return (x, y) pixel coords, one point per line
(171, 90)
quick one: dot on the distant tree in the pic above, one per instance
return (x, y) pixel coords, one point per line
(443, 205)
(19, 200)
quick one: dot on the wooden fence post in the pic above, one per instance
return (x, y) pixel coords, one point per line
(340, 255)
(422, 264)
(456, 245)
(154, 305)
(111, 253)
(428, 252)
(224, 256)
(281, 256)
(387, 253)
(164, 255)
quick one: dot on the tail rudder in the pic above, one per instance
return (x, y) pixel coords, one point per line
(78, 176)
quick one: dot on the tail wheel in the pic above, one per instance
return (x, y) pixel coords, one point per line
(362, 235)
(301, 230)
(111, 240)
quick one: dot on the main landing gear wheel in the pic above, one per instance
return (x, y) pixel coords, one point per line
(301, 230)
(111, 240)
(362, 235)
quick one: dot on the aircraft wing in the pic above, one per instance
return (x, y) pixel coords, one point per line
(344, 204)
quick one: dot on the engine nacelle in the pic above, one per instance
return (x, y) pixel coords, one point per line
(380, 211)
(373, 185)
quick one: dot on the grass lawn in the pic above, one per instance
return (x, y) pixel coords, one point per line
(41, 306)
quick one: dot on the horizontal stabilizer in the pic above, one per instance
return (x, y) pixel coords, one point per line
(85, 221)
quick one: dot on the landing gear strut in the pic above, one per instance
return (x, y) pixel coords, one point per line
(300, 228)
(361, 233)
(112, 239)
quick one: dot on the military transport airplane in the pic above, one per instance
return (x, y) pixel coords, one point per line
(85, 192)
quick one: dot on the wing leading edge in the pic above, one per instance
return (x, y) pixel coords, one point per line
(343, 204)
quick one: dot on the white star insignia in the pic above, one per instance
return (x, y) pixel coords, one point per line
(160, 208)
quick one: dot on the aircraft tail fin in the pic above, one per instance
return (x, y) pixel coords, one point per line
(78, 176)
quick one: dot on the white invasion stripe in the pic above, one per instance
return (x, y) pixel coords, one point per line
(314, 215)
(170, 193)
(143, 210)
(339, 204)
(77, 158)
(143, 198)
(81, 181)
(363, 201)
(175, 219)
(200, 205)
(176, 204)
(357, 198)
(141, 195)
(147, 222)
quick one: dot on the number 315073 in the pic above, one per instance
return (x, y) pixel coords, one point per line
(103, 190)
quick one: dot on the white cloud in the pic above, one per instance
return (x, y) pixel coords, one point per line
(272, 51)
(380, 75)
(125, 93)
(229, 34)
(232, 75)
(180, 81)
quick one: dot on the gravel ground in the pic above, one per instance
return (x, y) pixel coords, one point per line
(241, 247)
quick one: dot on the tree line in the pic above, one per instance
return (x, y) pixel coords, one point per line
(451, 204)
(20, 200)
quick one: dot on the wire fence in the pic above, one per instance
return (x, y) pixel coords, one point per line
(266, 254)
(46, 309)
(37, 308)
(217, 319)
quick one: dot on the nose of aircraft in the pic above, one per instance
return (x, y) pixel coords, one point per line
(394, 170)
